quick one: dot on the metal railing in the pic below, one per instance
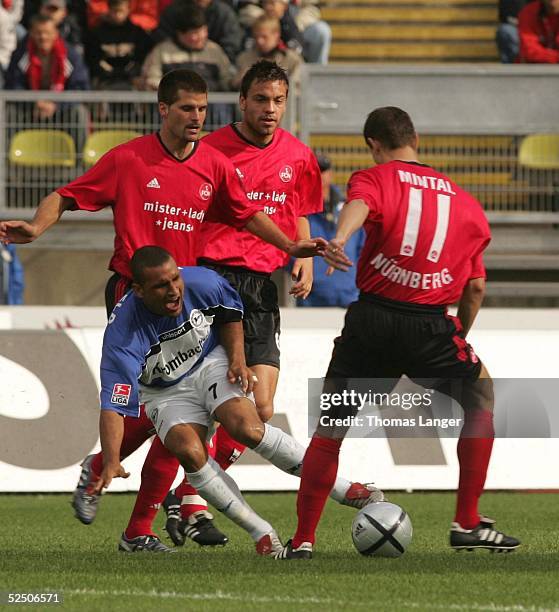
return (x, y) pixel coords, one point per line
(472, 120)
(39, 153)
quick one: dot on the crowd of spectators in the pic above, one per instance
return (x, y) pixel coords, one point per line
(528, 32)
(129, 44)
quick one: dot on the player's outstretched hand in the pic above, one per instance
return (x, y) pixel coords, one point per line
(243, 375)
(336, 258)
(109, 472)
(18, 232)
(308, 248)
(302, 276)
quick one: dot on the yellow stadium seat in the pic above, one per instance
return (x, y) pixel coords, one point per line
(48, 148)
(540, 152)
(98, 143)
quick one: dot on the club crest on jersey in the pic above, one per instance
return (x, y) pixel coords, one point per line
(205, 191)
(121, 394)
(197, 318)
(286, 174)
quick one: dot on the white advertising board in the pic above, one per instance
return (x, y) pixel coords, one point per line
(49, 408)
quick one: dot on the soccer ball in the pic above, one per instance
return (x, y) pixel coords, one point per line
(381, 529)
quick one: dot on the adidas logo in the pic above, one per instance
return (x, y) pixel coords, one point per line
(154, 184)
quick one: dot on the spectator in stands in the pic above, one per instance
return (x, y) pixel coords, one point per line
(8, 41)
(338, 290)
(11, 12)
(290, 34)
(223, 24)
(538, 26)
(317, 34)
(12, 281)
(189, 48)
(143, 13)
(506, 37)
(67, 24)
(266, 32)
(44, 61)
(116, 49)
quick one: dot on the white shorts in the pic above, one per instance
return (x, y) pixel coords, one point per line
(194, 399)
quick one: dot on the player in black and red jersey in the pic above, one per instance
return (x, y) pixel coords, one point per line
(281, 177)
(424, 243)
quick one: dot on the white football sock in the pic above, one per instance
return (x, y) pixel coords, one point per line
(283, 451)
(211, 484)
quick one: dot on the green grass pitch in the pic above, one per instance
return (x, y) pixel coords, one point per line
(43, 547)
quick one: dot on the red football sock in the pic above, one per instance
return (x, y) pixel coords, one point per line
(320, 467)
(225, 451)
(136, 432)
(474, 451)
(158, 473)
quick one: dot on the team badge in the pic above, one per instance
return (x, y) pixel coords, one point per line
(197, 319)
(286, 174)
(205, 191)
(121, 394)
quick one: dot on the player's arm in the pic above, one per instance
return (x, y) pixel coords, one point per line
(233, 341)
(352, 217)
(302, 271)
(111, 431)
(470, 302)
(262, 226)
(47, 214)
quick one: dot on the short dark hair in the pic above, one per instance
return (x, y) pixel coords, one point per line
(191, 17)
(391, 126)
(261, 72)
(39, 19)
(115, 3)
(147, 257)
(181, 78)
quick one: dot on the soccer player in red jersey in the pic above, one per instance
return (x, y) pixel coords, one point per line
(161, 187)
(282, 178)
(424, 243)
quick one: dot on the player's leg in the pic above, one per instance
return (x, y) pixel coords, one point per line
(353, 357)
(182, 417)
(85, 504)
(158, 472)
(470, 529)
(447, 356)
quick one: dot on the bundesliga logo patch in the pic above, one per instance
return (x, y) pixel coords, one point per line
(121, 394)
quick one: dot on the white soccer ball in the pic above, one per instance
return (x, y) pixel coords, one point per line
(382, 529)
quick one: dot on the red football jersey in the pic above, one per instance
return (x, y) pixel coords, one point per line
(160, 200)
(282, 179)
(425, 235)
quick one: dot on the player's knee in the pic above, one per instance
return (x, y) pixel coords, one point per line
(189, 450)
(248, 432)
(265, 411)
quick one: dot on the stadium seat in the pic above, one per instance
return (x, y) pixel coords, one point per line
(47, 148)
(540, 152)
(98, 143)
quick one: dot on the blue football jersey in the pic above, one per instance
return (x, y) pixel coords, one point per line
(159, 351)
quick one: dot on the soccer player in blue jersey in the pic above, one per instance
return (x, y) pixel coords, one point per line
(175, 343)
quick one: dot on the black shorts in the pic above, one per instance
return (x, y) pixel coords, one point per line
(115, 290)
(383, 338)
(261, 321)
